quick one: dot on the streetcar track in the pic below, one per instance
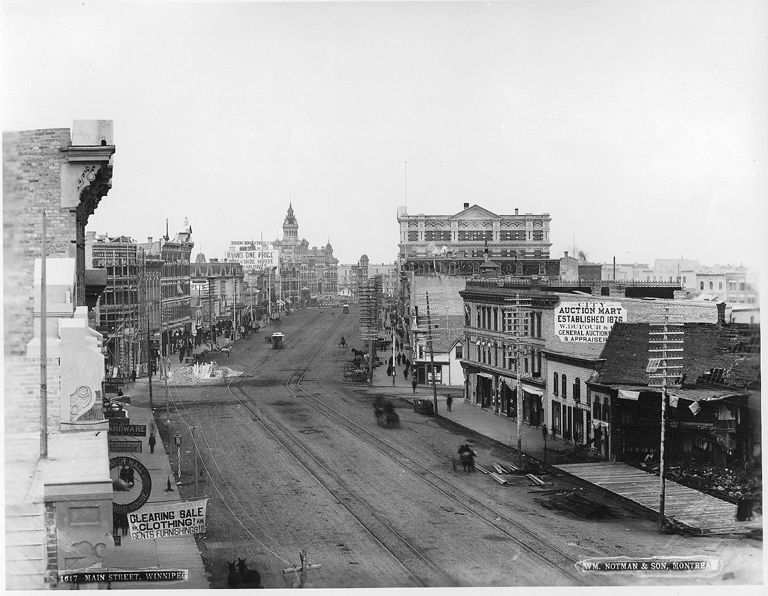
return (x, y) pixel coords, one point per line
(536, 546)
(421, 567)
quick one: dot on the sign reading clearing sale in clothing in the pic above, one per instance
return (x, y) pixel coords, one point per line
(171, 519)
(588, 322)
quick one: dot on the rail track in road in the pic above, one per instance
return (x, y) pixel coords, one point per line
(423, 569)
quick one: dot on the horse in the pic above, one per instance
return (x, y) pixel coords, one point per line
(251, 577)
(381, 417)
(467, 458)
(233, 579)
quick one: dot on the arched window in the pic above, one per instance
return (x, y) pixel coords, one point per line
(555, 384)
(711, 286)
(577, 390)
(564, 386)
(701, 285)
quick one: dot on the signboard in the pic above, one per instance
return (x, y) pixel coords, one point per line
(114, 422)
(253, 255)
(118, 446)
(111, 414)
(168, 519)
(105, 576)
(129, 430)
(132, 499)
(587, 322)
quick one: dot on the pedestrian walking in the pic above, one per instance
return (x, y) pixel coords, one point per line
(413, 384)
(448, 401)
(544, 432)
(152, 442)
(399, 359)
(133, 376)
(405, 373)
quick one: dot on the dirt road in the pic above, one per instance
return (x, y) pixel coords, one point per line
(292, 459)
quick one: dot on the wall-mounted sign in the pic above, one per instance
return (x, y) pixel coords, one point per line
(129, 430)
(138, 484)
(587, 322)
(168, 519)
(253, 255)
(115, 422)
(117, 446)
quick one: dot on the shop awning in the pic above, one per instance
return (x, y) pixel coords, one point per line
(484, 375)
(533, 391)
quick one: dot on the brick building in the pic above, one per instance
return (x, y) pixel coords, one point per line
(175, 287)
(554, 347)
(304, 273)
(217, 296)
(58, 489)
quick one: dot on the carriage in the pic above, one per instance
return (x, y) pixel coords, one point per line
(385, 414)
(277, 340)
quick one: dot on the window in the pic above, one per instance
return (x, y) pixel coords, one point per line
(711, 285)
(701, 285)
(413, 236)
(719, 285)
(577, 390)
(555, 384)
(564, 387)
(459, 351)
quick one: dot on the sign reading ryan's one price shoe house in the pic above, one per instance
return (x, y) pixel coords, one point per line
(587, 322)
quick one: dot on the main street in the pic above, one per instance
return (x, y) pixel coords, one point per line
(292, 459)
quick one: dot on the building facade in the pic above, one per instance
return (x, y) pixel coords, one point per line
(549, 339)
(175, 288)
(217, 297)
(120, 318)
(455, 244)
(304, 273)
(58, 491)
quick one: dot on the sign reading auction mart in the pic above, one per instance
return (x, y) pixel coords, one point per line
(587, 322)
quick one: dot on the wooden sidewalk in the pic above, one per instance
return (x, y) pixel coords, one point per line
(698, 512)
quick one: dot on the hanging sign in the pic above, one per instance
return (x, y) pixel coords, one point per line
(587, 322)
(168, 519)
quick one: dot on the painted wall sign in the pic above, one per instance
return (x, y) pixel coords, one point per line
(118, 446)
(587, 322)
(129, 430)
(168, 519)
(136, 495)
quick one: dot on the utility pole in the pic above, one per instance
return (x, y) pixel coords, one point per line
(431, 356)
(665, 367)
(518, 332)
(43, 351)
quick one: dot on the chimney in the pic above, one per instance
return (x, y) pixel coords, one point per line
(566, 254)
(515, 210)
(149, 239)
(721, 314)
(466, 205)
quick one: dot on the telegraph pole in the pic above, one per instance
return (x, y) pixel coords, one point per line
(664, 368)
(431, 355)
(518, 332)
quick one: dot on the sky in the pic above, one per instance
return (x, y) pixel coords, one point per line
(638, 126)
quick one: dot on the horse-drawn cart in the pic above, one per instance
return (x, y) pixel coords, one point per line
(423, 406)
